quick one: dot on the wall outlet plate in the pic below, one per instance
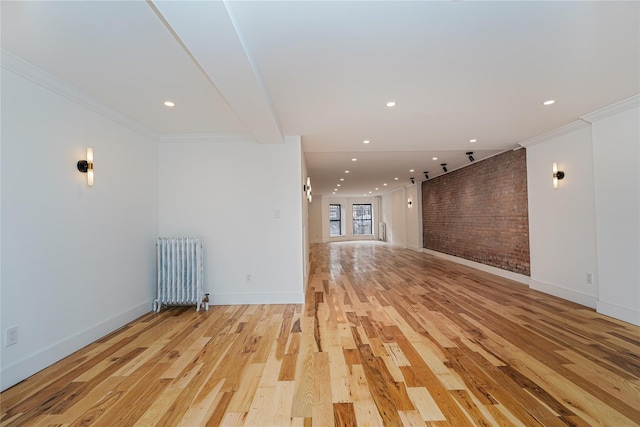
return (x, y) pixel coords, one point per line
(11, 336)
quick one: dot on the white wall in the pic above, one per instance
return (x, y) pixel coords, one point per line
(562, 236)
(77, 261)
(590, 224)
(231, 193)
(305, 217)
(616, 148)
(347, 217)
(397, 227)
(315, 219)
(414, 216)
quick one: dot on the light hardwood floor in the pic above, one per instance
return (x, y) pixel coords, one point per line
(386, 337)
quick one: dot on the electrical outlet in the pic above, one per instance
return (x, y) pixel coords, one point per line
(276, 213)
(248, 277)
(11, 336)
(589, 278)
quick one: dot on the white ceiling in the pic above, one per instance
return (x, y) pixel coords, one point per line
(325, 70)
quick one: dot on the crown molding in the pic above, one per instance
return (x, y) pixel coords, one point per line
(11, 62)
(563, 130)
(610, 110)
(205, 137)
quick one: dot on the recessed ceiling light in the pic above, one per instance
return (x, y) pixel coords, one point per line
(391, 104)
(396, 178)
(337, 185)
(169, 104)
(346, 171)
(411, 170)
(377, 188)
(335, 189)
(366, 141)
(473, 140)
(385, 184)
(354, 160)
(434, 158)
(341, 179)
(334, 192)
(369, 192)
(549, 102)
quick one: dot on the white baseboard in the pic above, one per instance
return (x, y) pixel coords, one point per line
(521, 278)
(261, 298)
(564, 293)
(28, 366)
(617, 312)
(415, 248)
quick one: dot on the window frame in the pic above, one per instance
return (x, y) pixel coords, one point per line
(338, 221)
(360, 221)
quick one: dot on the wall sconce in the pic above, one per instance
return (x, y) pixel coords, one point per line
(86, 166)
(409, 202)
(306, 188)
(470, 154)
(426, 174)
(557, 175)
(413, 180)
(444, 167)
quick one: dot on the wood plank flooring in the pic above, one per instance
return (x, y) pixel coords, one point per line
(387, 337)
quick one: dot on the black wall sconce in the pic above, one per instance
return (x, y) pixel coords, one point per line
(306, 189)
(413, 180)
(557, 175)
(444, 166)
(409, 202)
(426, 175)
(86, 166)
(470, 154)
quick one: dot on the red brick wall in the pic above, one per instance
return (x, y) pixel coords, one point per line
(480, 212)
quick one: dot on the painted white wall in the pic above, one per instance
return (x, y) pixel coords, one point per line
(305, 216)
(347, 217)
(414, 217)
(562, 236)
(616, 149)
(77, 261)
(231, 193)
(315, 219)
(397, 227)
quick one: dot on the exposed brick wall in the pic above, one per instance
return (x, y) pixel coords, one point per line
(480, 212)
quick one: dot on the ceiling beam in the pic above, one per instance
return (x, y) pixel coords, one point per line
(207, 33)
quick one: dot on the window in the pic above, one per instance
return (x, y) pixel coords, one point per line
(335, 222)
(362, 219)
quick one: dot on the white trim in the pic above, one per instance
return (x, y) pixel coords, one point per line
(610, 110)
(258, 298)
(563, 130)
(621, 313)
(28, 366)
(203, 137)
(11, 62)
(564, 293)
(520, 278)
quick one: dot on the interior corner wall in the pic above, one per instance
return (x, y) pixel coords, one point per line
(479, 212)
(413, 217)
(397, 220)
(78, 262)
(305, 214)
(245, 200)
(562, 220)
(616, 153)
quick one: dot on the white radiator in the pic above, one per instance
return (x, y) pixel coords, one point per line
(180, 273)
(382, 231)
